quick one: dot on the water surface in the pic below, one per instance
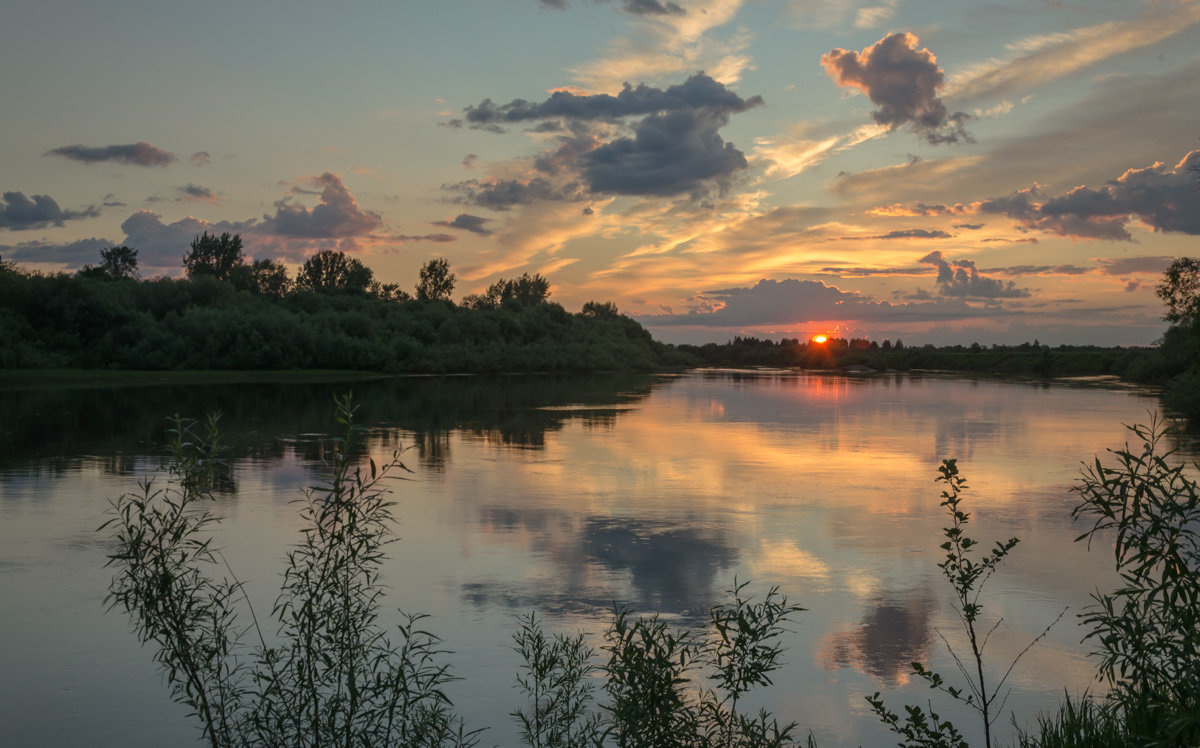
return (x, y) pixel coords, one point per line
(565, 496)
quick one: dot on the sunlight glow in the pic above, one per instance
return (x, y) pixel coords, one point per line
(819, 338)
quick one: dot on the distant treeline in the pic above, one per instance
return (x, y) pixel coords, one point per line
(229, 313)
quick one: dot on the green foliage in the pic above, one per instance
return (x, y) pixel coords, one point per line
(270, 278)
(654, 695)
(216, 256)
(1180, 291)
(1146, 630)
(598, 309)
(329, 271)
(116, 263)
(556, 676)
(967, 575)
(336, 678)
(435, 280)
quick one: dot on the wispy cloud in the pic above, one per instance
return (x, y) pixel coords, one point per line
(1045, 57)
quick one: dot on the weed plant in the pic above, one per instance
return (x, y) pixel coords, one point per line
(967, 574)
(337, 678)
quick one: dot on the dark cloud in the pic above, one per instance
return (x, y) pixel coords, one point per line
(637, 7)
(137, 154)
(670, 154)
(903, 81)
(196, 193)
(336, 216)
(1161, 197)
(793, 301)
(697, 92)
(467, 222)
(162, 245)
(503, 194)
(671, 146)
(73, 254)
(969, 226)
(1151, 264)
(200, 158)
(19, 212)
(913, 234)
(961, 279)
(847, 271)
(469, 160)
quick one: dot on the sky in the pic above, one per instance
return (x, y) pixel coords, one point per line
(934, 171)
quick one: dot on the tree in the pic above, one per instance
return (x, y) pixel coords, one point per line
(117, 263)
(215, 256)
(1180, 290)
(436, 280)
(270, 278)
(598, 309)
(389, 292)
(329, 270)
(525, 291)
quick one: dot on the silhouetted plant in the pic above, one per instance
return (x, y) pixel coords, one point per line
(336, 679)
(967, 575)
(654, 678)
(1148, 630)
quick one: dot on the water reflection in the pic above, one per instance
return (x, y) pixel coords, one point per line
(50, 431)
(643, 564)
(895, 632)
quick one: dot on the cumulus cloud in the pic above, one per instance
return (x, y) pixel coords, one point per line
(336, 216)
(136, 154)
(669, 154)
(162, 245)
(961, 279)
(200, 158)
(671, 147)
(467, 222)
(792, 301)
(17, 212)
(903, 81)
(1161, 197)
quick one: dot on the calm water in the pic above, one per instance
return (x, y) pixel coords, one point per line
(564, 495)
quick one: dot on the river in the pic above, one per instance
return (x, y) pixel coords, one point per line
(566, 495)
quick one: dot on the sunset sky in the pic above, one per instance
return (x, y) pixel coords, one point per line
(938, 171)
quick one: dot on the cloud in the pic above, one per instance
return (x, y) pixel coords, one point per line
(467, 222)
(794, 301)
(196, 193)
(1161, 197)
(663, 46)
(673, 153)
(504, 194)
(136, 154)
(913, 210)
(698, 92)
(199, 158)
(960, 278)
(672, 147)
(903, 81)
(1150, 264)
(18, 212)
(72, 254)
(636, 7)
(336, 216)
(1043, 58)
(163, 245)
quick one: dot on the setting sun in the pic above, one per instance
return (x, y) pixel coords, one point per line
(819, 339)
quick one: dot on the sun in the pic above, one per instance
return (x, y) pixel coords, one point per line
(819, 338)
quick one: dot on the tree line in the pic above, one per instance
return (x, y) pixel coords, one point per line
(229, 311)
